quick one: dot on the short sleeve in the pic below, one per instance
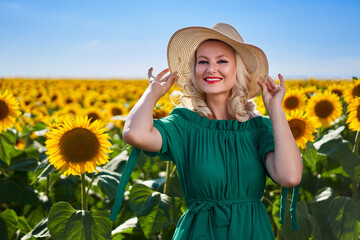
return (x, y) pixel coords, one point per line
(266, 141)
(171, 134)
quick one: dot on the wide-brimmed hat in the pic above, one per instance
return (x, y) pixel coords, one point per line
(185, 41)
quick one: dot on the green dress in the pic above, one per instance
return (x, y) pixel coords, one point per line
(221, 168)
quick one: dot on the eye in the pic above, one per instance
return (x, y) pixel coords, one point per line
(202, 62)
(223, 61)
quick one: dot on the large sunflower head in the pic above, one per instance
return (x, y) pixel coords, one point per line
(325, 107)
(353, 111)
(9, 110)
(77, 146)
(352, 91)
(302, 127)
(293, 100)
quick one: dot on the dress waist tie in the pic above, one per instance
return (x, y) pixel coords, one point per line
(221, 211)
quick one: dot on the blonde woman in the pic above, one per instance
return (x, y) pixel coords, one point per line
(222, 149)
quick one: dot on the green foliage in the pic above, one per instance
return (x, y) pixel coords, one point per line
(154, 210)
(66, 223)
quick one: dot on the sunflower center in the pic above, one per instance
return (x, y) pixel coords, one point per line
(356, 91)
(292, 102)
(116, 111)
(79, 145)
(93, 116)
(358, 113)
(337, 92)
(323, 109)
(4, 110)
(297, 127)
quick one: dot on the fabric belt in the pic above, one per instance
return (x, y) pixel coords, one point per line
(202, 206)
(221, 211)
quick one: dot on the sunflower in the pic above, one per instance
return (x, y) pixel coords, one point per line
(302, 127)
(352, 91)
(293, 100)
(9, 110)
(325, 106)
(337, 87)
(77, 146)
(94, 114)
(353, 112)
(309, 91)
(115, 109)
(160, 112)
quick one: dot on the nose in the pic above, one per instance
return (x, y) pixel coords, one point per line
(212, 67)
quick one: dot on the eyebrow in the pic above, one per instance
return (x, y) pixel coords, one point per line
(220, 56)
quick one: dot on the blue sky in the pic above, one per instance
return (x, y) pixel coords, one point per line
(122, 39)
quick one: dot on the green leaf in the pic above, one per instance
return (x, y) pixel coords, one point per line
(65, 188)
(44, 169)
(108, 185)
(155, 210)
(341, 221)
(117, 164)
(8, 224)
(7, 146)
(13, 190)
(23, 225)
(334, 146)
(23, 164)
(38, 127)
(307, 224)
(39, 231)
(310, 156)
(103, 223)
(276, 213)
(129, 230)
(320, 204)
(67, 223)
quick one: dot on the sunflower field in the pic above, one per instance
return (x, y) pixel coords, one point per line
(62, 156)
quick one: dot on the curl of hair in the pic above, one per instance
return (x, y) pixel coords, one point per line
(238, 104)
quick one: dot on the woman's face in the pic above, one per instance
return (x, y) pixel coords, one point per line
(215, 68)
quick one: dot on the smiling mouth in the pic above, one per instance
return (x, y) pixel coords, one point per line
(212, 80)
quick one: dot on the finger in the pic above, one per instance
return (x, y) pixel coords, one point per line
(172, 79)
(282, 80)
(262, 85)
(150, 72)
(162, 73)
(174, 74)
(272, 82)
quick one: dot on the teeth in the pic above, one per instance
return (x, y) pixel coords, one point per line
(212, 79)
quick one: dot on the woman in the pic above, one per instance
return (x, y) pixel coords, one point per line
(222, 150)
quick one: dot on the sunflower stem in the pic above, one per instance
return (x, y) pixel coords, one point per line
(355, 151)
(83, 193)
(92, 180)
(48, 186)
(168, 178)
(173, 172)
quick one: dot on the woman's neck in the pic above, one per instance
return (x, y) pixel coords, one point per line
(218, 107)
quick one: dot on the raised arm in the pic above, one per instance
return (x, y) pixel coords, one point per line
(139, 130)
(285, 163)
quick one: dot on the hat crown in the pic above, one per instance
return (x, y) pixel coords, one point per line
(228, 31)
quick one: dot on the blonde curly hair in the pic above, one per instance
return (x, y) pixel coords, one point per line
(238, 103)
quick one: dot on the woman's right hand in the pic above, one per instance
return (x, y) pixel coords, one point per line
(159, 84)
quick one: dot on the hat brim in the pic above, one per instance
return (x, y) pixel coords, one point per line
(185, 41)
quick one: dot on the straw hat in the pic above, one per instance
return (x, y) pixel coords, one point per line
(185, 41)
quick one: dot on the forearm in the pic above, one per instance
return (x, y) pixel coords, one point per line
(140, 118)
(287, 163)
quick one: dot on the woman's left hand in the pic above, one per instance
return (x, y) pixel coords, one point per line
(272, 93)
